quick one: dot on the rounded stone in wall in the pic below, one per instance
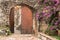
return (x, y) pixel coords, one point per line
(2, 18)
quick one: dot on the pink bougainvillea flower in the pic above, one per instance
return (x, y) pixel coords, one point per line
(56, 23)
(51, 28)
(56, 1)
(49, 14)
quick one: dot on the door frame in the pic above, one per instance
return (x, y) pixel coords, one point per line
(33, 15)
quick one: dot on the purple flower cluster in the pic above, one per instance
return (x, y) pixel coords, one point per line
(47, 10)
(51, 28)
(56, 2)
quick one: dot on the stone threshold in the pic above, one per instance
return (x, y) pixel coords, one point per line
(42, 35)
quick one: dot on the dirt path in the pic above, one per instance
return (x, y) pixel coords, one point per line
(19, 37)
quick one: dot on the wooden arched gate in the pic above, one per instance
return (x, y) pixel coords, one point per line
(26, 20)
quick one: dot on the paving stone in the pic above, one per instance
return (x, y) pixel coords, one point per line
(19, 37)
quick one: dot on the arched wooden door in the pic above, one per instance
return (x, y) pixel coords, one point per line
(26, 21)
(11, 20)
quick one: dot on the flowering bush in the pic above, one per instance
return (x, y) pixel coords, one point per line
(50, 13)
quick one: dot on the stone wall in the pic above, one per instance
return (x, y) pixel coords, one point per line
(3, 18)
(6, 5)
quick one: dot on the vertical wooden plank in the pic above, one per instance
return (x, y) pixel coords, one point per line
(27, 21)
(11, 20)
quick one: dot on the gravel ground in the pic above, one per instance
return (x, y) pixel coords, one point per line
(19, 37)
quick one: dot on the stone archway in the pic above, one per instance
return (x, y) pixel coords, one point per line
(26, 19)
